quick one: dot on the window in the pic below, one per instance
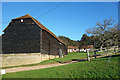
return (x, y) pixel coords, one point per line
(21, 20)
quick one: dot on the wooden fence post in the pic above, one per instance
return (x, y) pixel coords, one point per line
(106, 52)
(115, 50)
(88, 58)
(95, 53)
(60, 53)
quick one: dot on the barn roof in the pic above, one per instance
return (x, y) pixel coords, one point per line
(39, 24)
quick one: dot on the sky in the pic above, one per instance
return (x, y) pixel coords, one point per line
(69, 19)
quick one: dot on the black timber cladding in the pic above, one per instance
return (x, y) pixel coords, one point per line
(51, 45)
(22, 37)
(29, 37)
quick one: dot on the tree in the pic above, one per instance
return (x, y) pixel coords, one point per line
(85, 40)
(103, 32)
(68, 41)
(94, 41)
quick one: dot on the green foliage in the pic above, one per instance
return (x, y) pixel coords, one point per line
(96, 68)
(68, 41)
(86, 40)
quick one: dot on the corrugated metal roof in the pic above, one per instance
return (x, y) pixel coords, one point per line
(39, 24)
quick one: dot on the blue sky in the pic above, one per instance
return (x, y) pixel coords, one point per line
(69, 19)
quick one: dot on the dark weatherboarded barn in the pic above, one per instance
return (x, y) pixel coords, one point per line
(26, 35)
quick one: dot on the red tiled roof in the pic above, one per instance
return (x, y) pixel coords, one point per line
(87, 47)
(77, 47)
(72, 47)
(39, 24)
(90, 46)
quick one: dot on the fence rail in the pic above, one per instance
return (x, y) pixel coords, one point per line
(105, 52)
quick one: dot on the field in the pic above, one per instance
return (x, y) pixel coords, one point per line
(96, 68)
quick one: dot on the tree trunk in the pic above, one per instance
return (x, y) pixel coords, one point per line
(79, 49)
(101, 47)
(88, 58)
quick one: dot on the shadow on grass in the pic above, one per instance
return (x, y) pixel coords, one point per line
(106, 57)
(58, 61)
(78, 60)
(112, 56)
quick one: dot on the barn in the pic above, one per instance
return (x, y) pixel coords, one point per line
(27, 35)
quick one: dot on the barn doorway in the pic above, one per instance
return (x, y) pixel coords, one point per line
(60, 53)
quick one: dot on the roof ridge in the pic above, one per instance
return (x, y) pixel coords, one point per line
(29, 15)
(25, 16)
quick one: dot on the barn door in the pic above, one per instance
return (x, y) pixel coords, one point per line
(60, 53)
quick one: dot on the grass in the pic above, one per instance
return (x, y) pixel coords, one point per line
(102, 52)
(69, 57)
(96, 68)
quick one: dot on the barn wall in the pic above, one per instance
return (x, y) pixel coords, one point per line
(51, 45)
(21, 37)
(24, 59)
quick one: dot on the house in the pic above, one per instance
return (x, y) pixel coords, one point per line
(81, 49)
(27, 35)
(73, 48)
(84, 48)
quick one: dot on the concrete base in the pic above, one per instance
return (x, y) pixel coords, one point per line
(23, 59)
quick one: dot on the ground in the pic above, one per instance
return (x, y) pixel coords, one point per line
(105, 67)
(70, 57)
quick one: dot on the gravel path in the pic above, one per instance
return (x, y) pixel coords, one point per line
(27, 68)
